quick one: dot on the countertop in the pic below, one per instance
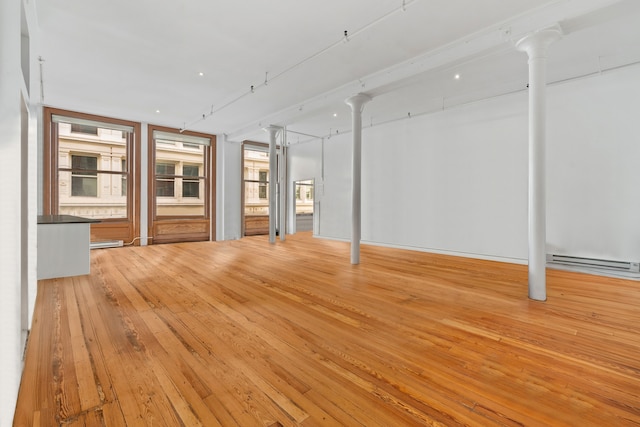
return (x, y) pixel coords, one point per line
(64, 219)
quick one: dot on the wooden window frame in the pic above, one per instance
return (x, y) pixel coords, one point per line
(171, 229)
(247, 144)
(125, 229)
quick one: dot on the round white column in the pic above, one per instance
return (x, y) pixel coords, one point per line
(282, 184)
(273, 131)
(356, 103)
(536, 45)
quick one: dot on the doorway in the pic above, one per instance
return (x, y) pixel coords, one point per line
(304, 205)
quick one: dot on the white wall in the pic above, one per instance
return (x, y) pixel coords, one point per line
(594, 167)
(228, 189)
(456, 181)
(18, 209)
(306, 165)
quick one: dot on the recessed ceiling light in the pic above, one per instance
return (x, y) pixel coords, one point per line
(157, 111)
(335, 114)
(457, 77)
(201, 73)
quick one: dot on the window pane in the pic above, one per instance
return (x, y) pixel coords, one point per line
(304, 197)
(123, 183)
(84, 151)
(165, 187)
(190, 189)
(88, 129)
(165, 169)
(256, 190)
(86, 186)
(179, 189)
(262, 191)
(84, 183)
(97, 197)
(84, 162)
(190, 170)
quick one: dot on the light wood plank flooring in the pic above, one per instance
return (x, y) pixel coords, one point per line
(243, 333)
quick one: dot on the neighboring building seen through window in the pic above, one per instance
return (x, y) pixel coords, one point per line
(87, 129)
(180, 174)
(92, 170)
(304, 197)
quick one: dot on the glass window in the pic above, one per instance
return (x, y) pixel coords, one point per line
(304, 197)
(123, 181)
(263, 181)
(86, 129)
(256, 189)
(90, 165)
(180, 174)
(92, 174)
(190, 187)
(181, 202)
(84, 176)
(165, 180)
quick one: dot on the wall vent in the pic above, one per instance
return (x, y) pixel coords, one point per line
(594, 263)
(106, 244)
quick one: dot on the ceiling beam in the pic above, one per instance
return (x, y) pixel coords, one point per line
(571, 15)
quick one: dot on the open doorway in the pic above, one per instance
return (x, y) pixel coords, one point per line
(304, 205)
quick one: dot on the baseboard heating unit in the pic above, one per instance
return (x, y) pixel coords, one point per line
(106, 244)
(600, 266)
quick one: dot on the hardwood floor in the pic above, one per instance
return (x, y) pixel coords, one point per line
(243, 333)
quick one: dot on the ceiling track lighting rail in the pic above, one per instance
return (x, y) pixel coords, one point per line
(41, 67)
(342, 40)
(445, 107)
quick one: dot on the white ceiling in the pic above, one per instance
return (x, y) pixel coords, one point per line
(128, 59)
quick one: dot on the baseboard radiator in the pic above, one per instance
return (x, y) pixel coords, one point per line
(594, 263)
(106, 244)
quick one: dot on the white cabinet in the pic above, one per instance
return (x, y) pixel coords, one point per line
(63, 246)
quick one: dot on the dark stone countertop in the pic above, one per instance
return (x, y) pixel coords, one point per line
(64, 219)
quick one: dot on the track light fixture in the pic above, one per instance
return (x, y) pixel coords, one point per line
(346, 37)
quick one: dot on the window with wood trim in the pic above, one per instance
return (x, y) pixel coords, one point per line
(181, 182)
(90, 171)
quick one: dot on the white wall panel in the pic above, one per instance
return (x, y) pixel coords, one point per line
(450, 181)
(230, 153)
(335, 203)
(456, 181)
(594, 167)
(305, 161)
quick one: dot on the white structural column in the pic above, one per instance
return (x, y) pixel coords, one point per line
(356, 103)
(282, 185)
(536, 45)
(273, 179)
